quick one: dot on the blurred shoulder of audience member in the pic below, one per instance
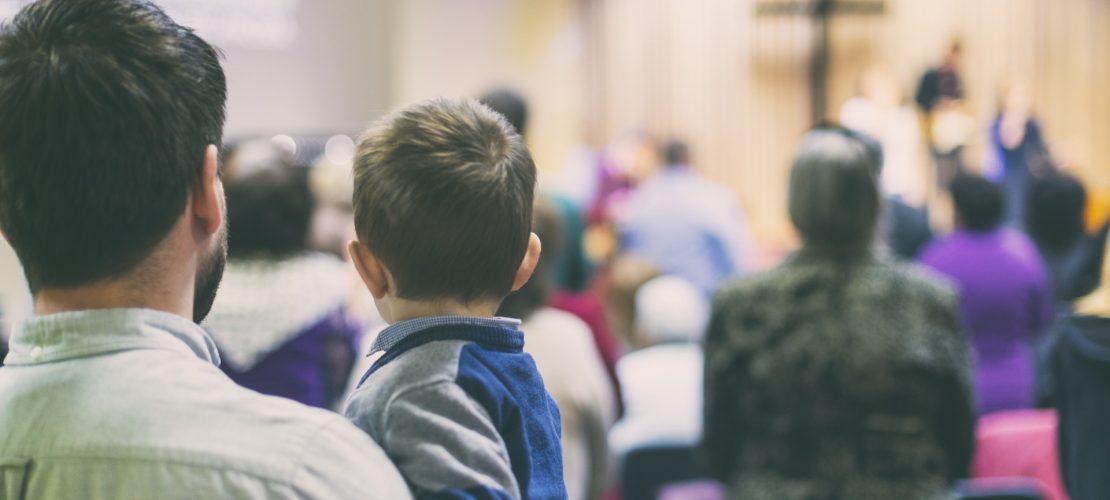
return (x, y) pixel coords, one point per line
(662, 381)
(840, 347)
(569, 362)
(1080, 366)
(280, 322)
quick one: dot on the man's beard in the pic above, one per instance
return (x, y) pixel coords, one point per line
(209, 273)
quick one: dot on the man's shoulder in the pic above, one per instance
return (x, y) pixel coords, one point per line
(180, 414)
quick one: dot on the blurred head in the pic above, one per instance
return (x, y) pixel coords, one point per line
(979, 203)
(535, 294)
(834, 195)
(627, 274)
(112, 115)
(636, 154)
(1057, 206)
(510, 105)
(670, 309)
(1015, 97)
(443, 204)
(269, 212)
(676, 154)
(954, 53)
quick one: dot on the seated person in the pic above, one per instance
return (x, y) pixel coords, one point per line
(281, 320)
(685, 224)
(570, 364)
(1005, 297)
(663, 380)
(443, 212)
(840, 373)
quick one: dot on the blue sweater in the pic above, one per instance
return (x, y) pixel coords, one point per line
(461, 409)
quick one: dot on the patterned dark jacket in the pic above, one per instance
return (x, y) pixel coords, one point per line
(838, 378)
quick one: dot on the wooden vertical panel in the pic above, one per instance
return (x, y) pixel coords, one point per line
(736, 87)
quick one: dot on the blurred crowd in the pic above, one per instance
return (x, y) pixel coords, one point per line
(940, 321)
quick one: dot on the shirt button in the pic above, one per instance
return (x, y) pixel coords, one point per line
(36, 352)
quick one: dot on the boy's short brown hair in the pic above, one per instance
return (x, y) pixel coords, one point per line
(443, 197)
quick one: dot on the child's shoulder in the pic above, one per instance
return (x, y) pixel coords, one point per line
(417, 366)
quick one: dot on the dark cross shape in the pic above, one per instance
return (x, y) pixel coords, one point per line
(822, 12)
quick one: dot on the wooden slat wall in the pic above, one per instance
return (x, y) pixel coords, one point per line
(736, 86)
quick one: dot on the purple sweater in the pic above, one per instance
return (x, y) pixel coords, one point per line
(1005, 303)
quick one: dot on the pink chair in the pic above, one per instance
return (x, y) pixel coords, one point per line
(1020, 444)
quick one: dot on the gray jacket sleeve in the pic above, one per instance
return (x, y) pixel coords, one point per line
(445, 442)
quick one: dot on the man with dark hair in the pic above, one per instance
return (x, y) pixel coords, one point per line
(1005, 295)
(111, 197)
(685, 224)
(443, 213)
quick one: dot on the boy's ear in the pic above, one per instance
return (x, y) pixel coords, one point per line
(528, 265)
(369, 268)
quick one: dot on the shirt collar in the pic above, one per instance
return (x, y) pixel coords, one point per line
(401, 330)
(68, 335)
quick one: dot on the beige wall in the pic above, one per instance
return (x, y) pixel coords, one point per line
(332, 77)
(1057, 46)
(462, 48)
(737, 87)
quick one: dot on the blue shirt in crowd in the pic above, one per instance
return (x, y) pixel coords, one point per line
(686, 226)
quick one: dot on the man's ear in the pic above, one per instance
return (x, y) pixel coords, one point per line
(528, 264)
(369, 268)
(208, 194)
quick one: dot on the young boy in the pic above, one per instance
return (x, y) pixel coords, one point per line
(443, 210)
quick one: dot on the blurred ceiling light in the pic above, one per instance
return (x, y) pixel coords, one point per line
(340, 149)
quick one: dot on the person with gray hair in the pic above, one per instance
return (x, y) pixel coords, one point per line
(839, 373)
(662, 380)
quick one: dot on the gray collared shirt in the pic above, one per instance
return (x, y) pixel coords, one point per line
(129, 404)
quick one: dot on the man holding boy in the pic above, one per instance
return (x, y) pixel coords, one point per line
(110, 194)
(443, 210)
